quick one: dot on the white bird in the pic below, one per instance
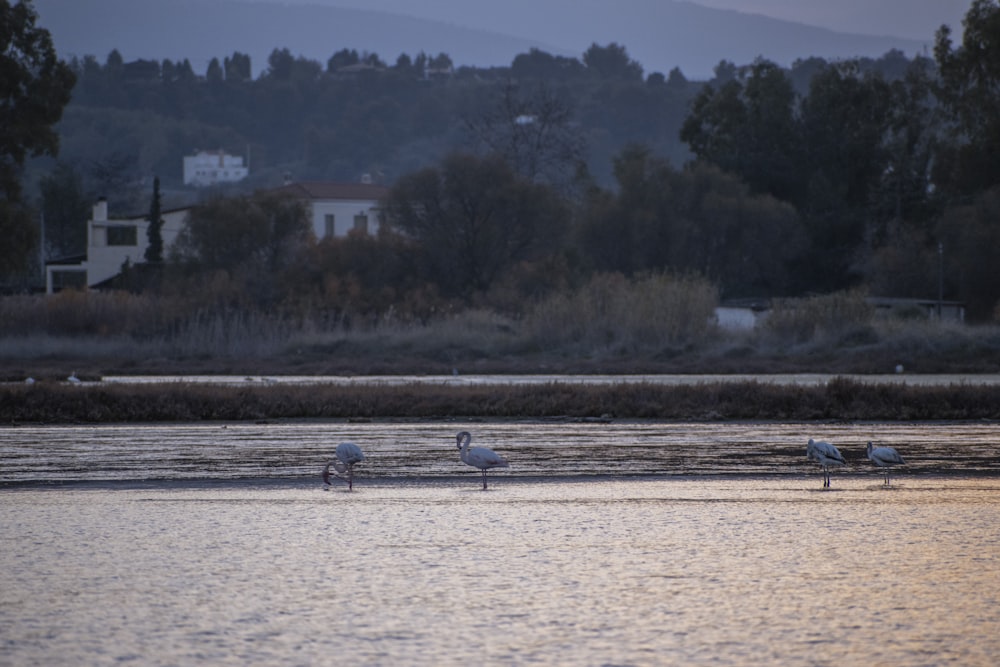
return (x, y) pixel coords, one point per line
(348, 454)
(826, 455)
(478, 457)
(884, 457)
(73, 379)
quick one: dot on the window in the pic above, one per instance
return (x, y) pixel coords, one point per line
(123, 235)
(329, 229)
(361, 223)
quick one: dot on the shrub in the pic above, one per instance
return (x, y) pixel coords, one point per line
(826, 317)
(613, 312)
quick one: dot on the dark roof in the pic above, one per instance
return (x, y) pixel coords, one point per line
(70, 259)
(334, 190)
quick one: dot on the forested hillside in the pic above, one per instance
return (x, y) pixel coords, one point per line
(352, 114)
(763, 181)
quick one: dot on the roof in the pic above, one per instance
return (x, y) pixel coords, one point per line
(334, 190)
(69, 259)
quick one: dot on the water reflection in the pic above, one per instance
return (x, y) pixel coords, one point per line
(693, 571)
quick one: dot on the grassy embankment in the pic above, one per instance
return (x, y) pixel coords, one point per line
(840, 399)
(655, 325)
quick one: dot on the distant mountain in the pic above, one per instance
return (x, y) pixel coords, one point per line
(660, 34)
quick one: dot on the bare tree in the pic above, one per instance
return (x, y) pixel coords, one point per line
(533, 132)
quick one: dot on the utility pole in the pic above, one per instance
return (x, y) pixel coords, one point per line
(940, 278)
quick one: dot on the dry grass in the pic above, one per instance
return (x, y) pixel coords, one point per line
(821, 318)
(654, 324)
(613, 313)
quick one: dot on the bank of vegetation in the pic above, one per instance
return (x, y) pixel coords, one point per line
(839, 399)
(557, 216)
(656, 324)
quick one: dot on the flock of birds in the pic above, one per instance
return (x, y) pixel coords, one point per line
(827, 455)
(347, 455)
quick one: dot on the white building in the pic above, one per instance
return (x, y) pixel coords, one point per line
(110, 244)
(339, 208)
(213, 167)
(335, 209)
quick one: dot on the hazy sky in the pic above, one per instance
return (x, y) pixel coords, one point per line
(659, 34)
(913, 19)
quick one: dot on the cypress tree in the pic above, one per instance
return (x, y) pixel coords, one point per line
(154, 252)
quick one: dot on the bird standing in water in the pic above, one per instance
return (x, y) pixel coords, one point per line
(348, 454)
(826, 455)
(478, 457)
(884, 457)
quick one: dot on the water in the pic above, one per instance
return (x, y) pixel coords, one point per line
(604, 544)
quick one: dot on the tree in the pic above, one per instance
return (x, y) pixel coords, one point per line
(65, 208)
(970, 91)
(676, 79)
(112, 176)
(237, 68)
(254, 233)
(214, 73)
(280, 64)
(533, 131)
(342, 58)
(845, 121)
(251, 238)
(970, 238)
(34, 88)
(698, 220)
(748, 127)
(539, 64)
(911, 144)
(154, 251)
(612, 62)
(474, 218)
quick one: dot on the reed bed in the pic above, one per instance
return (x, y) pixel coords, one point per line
(612, 324)
(839, 399)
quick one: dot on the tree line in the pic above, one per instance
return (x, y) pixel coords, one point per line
(510, 182)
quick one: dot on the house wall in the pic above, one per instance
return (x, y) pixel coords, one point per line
(736, 318)
(106, 253)
(344, 213)
(209, 168)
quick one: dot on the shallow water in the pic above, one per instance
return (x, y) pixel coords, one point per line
(740, 571)
(283, 451)
(618, 543)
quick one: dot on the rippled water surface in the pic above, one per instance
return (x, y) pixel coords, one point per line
(619, 543)
(286, 451)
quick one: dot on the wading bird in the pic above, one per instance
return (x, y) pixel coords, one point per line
(826, 455)
(347, 455)
(478, 457)
(884, 457)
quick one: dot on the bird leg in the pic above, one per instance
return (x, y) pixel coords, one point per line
(484, 479)
(338, 470)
